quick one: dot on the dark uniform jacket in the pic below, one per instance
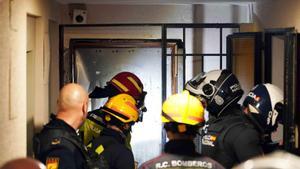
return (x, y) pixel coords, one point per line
(180, 154)
(231, 138)
(111, 145)
(58, 146)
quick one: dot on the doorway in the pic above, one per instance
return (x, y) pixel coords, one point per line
(96, 61)
(172, 68)
(272, 60)
(30, 80)
(280, 69)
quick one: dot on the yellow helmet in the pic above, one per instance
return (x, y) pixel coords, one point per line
(183, 108)
(123, 107)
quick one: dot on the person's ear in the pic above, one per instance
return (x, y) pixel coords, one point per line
(126, 126)
(170, 135)
(85, 108)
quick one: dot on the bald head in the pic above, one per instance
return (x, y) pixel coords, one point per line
(72, 104)
(72, 96)
(22, 163)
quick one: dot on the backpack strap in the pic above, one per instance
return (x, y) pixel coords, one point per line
(100, 145)
(96, 151)
(59, 134)
(95, 116)
(92, 163)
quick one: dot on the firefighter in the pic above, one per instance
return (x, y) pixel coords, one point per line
(182, 115)
(264, 107)
(229, 137)
(119, 114)
(123, 82)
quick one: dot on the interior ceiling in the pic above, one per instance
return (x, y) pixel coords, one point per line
(152, 2)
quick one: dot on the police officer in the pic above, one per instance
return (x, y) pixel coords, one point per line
(123, 82)
(229, 137)
(119, 114)
(264, 107)
(182, 116)
(58, 145)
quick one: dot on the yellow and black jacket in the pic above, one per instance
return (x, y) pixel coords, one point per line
(111, 145)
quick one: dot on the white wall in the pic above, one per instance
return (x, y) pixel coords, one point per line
(54, 65)
(222, 13)
(103, 14)
(277, 14)
(13, 72)
(135, 14)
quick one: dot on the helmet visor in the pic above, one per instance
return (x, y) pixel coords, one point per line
(203, 88)
(141, 105)
(197, 80)
(279, 107)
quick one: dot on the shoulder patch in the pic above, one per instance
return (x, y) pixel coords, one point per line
(52, 163)
(99, 149)
(55, 141)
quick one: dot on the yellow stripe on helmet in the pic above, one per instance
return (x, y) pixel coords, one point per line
(135, 84)
(119, 84)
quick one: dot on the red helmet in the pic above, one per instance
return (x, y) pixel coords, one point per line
(123, 82)
(129, 83)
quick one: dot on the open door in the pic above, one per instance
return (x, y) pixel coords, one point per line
(278, 66)
(297, 114)
(244, 58)
(280, 69)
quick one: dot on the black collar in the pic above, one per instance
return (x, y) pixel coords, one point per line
(181, 147)
(58, 123)
(120, 137)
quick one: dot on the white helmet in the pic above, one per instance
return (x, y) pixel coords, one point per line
(265, 104)
(220, 89)
(276, 160)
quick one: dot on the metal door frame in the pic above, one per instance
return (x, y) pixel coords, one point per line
(290, 73)
(290, 76)
(164, 31)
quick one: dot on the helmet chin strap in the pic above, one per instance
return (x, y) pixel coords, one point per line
(220, 112)
(121, 131)
(126, 128)
(253, 120)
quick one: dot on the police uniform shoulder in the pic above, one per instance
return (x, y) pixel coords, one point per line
(241, 131)
(62, 142)
(245, 133)
(59, 141)
(56, 141)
